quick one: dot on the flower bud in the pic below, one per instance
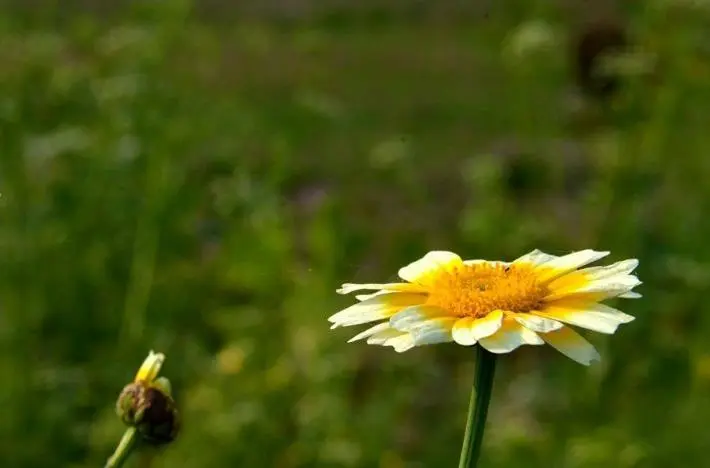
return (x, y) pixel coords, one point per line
(147, 404)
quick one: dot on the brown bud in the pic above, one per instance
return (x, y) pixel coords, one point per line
(151, 410)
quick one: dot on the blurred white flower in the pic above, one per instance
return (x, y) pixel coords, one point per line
(529, 38)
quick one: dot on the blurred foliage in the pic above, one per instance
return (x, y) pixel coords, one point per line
(202, 190)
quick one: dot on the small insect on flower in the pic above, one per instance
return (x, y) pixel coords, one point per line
(498, 305)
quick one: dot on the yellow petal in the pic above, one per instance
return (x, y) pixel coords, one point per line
(598, 282)
(509, 337)
(150, 368)
(379, 307)
(596, 290)
(468, 331)
(419, 271)
(488, 325)
(559, 266)
(572, 345)
(461, 332)
(596, 317)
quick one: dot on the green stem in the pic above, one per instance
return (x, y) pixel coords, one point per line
(478, 408)
(125, 448)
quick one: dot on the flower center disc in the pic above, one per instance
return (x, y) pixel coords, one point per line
(477, 290)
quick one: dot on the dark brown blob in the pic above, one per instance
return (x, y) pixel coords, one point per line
(596, 42)
(150, 410)
(160, 423)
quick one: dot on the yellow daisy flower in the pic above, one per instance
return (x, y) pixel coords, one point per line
(498, 305)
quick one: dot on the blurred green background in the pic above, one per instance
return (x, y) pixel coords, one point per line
(198, 179)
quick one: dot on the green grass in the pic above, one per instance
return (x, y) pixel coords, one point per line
(202, 191)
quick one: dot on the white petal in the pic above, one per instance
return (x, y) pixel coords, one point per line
(467, 332)
(561, 265)
(537, 323)
(376, 308)
(631, 295)
(347, 288)
(489, 262)
(536, 257)
(572, 345)
(417, 271)
(596, 317)
(407, 319)
(621, 268)
(425, 333)
(401, 343)
(511, 336)
(433, 331)
(364, 297)
(381, 337)
(370, 331)
(474, 262)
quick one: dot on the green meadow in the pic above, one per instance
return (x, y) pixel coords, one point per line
(198, 181)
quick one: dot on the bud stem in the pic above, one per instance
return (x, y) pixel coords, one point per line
(128, 443)
(478, 407)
